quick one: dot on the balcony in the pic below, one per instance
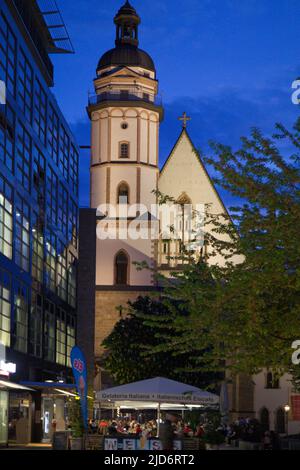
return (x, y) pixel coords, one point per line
(148, 98)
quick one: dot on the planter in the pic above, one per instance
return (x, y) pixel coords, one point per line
(76, 443)
(212, 446)
(244, 445)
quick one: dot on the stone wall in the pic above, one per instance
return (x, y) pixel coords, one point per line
(107, 313)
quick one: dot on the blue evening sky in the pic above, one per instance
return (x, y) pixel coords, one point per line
(229, 64)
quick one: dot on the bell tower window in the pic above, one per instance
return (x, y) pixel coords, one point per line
(124, 150)
(123, 194)
(127, 21)
(121, 269)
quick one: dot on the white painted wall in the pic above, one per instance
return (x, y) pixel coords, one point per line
(184, 173)
(142, 135)
(274, 399)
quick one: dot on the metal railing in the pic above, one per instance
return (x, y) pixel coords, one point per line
(125, 96)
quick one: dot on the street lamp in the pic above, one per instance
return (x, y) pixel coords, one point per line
(287, 410)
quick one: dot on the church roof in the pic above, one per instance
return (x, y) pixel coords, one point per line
(126, 55)
(184, 133)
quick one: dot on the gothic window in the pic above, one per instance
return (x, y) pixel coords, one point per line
(123, 194)
(124, 150)
(121, 269)
(280, 421)
(265, 419)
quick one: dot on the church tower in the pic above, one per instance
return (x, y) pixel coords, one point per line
(125, 114)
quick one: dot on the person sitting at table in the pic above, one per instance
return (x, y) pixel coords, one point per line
(112, 429)
(138, 429)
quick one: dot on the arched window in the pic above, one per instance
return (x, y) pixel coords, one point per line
(265, 419)
(123, 194)
(272, 381)
(124, 150)
(121, 269)
(280, 421)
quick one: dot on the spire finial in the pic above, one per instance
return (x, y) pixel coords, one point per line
(184, 118)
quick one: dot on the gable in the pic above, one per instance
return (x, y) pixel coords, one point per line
(185, 173)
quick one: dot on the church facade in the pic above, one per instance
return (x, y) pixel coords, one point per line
(125, 114)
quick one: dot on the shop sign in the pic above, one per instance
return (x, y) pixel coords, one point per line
(7, 368)
(80, 374)
(121, 443)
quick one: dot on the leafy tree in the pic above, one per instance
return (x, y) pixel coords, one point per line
(244, 315)
(130, 347)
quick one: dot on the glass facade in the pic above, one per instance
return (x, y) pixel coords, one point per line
(38, 208)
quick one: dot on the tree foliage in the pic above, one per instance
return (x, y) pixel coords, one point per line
(133, 351)
(241, 316)
(245, 315)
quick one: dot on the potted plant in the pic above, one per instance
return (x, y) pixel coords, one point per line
(77, 427)
(213, 437)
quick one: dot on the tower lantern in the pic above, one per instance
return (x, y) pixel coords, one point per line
(127, 21)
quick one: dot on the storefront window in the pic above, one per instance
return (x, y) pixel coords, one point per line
(3, 417)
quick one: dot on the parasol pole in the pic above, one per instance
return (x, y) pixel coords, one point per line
(158, 418)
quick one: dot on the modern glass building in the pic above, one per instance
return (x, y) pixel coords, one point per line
(38, 222)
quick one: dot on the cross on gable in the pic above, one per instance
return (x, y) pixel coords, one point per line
(184, 118)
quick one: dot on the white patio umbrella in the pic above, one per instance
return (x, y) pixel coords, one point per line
(158, 393)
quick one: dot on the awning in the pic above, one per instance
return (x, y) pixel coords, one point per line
(50, 385)
(9, 386)
(53, 388)
(159, 390)
(141, 405)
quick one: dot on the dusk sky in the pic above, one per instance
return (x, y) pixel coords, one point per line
(229, 64)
